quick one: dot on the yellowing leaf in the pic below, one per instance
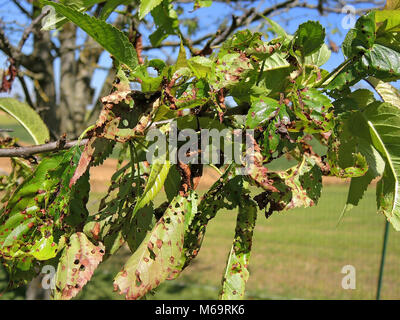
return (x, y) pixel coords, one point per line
(158, 257)
(77, 264)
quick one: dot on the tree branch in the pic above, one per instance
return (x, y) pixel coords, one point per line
(23, 152)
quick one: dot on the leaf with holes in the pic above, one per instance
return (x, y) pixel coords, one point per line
(77, 263)
(237, 266)
(158, 257)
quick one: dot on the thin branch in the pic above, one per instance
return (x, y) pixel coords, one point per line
(22, 9)
(29, 29)
(26, 91)
(28, 151)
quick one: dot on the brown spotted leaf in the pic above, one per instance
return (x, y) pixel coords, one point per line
(96, 150)
(77, 264)
(255, 168)
(299, 186)
(237, 266)
(158, 257)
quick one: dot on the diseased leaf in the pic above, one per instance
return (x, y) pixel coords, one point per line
(95, 152)
(158, 257)
(135, 231)
(262, 111)
(77, 263)
(299, 186)
(24, 215)
(237, 267)
(225, 193)
(28, 118)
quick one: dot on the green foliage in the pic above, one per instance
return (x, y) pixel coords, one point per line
(309, 38)
(110, 38)
(146, 6)
(283, 95)
(27, 117)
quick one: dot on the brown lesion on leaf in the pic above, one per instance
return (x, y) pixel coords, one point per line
(9, 76)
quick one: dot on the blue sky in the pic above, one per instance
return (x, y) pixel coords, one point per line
(207, 18)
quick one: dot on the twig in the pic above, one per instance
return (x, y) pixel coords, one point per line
(22, 9)
(28, 151)
(29, 29)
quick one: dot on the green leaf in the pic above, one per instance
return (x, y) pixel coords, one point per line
(146, 6)
(50, 22)
(158, 257)
(166, 20)
(388, 20)
(109, 37)
(309, 37)
(181, 61)
(384, 124)
(237, 267)
(388, 93)
(172, 183)
(110, 6)
(262, 111)
(201, 66)
(320, 57)
(275, 61)
(27, 117)
(158, 174)
(77, 263)
(376, 166)
(276, 28)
